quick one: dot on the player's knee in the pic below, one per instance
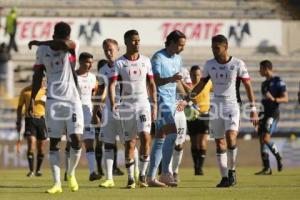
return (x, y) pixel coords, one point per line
(232, 147)
(178, 147)
(129, 162)
(221, 150)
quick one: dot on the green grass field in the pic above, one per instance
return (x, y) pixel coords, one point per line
(285, 185)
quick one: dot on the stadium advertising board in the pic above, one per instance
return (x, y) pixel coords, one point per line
(92, 31)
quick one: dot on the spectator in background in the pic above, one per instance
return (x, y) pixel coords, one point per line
(11, 29)
(4, 58)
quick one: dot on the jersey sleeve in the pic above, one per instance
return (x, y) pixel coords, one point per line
(156, 64)
(149, 69)
(186, 76)
(281, 86)
(243, 72)
(205, 72)
(114, 73)
(39, 59)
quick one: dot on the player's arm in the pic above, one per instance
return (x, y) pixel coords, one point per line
(112, 92)
(19, 112)
(186, 86)
(153, 96)
(65, 45)
(163, 81)
(248, 87)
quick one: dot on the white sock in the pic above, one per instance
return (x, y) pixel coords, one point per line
(222, 162)
(67, 160)
(136, 159)
(177, 157)
(109, 161)
(171, 165)
(91, 160)
(232, 155)
(54, 164)
(144, 165)
(74, 160)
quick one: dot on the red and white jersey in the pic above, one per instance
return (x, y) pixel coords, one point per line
(134, 74)
(60, 75)
(104, 74)
(224, 76)
(186, 78)
(87, 83)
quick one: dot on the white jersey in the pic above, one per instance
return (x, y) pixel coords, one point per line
(60, 77)
(86, 84)
(104, 73)
(134, 74)
(224, 76)
(186, 78)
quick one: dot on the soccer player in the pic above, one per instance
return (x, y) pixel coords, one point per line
(274, 92)
(224, 70)
(166, 65)
(198, 127)
(64, 112)
(181, 125)
(110, 127)
(87, 85)
(136, 73)
(35, 127)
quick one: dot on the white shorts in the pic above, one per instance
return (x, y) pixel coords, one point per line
(135, 120)
(89, 130)
(110, 128)
(63, 117)
(224, 116)
(181, 126)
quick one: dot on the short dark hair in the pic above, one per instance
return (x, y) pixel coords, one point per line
(266, 64)
(62, 30)
(219, 39)
(84, 56)
(109, 40)
(174, 36)
(195, 67)
(101, 63)
(130, 33)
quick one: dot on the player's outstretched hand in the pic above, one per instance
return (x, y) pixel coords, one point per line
(181, 105)
(32, 43)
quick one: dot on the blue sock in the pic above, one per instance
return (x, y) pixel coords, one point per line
(155, 156)
(167, 149)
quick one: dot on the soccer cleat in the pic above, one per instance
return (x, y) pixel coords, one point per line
(168, 180)
(130, 184)
(107, 184)
(224, 183)
(199, 172)
(38, 173)
(72, 183)
(143, 182)
(54, 190)
(155, 183)
(176, 177)
(30, 174)
(94, 176)
(117, 172)
(264, 171)
(232, 177)
(279, 163)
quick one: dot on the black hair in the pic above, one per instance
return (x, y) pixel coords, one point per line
(130, 33)
(62, 30)
(101, 63)
(84, 56)
(174, 36)
(219, 39)
(195, 67)
(266, 64)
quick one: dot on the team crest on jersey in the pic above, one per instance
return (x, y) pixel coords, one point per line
(232, 67)
(222, 67)
(213, 68)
